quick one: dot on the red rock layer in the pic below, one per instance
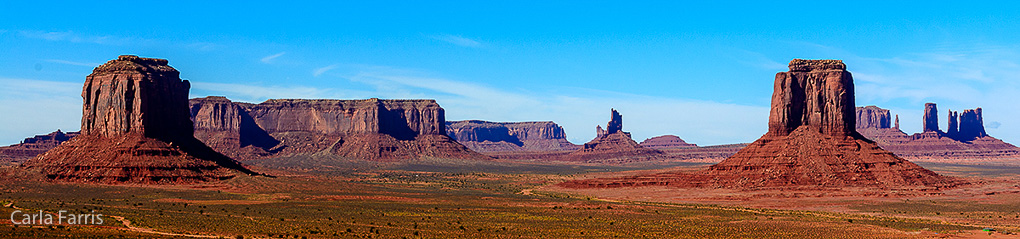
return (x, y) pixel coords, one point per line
(30, 147)
(811, 143)
(666, 142)
(135, 128)
(373, 129)
(484, 136)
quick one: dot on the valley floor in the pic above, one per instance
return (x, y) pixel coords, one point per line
(458, 200)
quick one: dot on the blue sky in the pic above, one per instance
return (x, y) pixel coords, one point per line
(703, 71)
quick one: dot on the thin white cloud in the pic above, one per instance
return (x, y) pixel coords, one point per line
(319, 71)
(74, 63)
(71, 36)
(269, 59)
(456, 40)
(37, 107)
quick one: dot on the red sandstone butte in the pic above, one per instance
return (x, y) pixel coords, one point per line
(615, 146)
(136, 128)
(372, 129)
(811, 143)
(485, 136)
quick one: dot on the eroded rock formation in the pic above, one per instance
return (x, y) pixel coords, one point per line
(485, 136)
(616, 146)
(964, 142)
(873, 122)
(972, 125)
(931, 118)
(811, 143)
(135, 128)
(872, 117)
(666, 142)
(30, 147)
(371, 129)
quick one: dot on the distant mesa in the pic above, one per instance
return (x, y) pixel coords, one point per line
(371, 129)
(135, 128)
(614, 146)
(666, 142)
(30, 147)
(965, 141)
(811, 143)
(485, 136)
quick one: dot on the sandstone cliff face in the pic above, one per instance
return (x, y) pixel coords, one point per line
(666, 142)
(135, 128)
(811, 143)
(873, 123)
(30, 147)
(371, 129)
(136, 95)
(814, 93)
(931, 118)
(972, 125)
(484, 136)
(872, 117)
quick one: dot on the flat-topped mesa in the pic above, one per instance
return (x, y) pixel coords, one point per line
(402, 119)
(485, 136)
(368, 129)
(136, 95)
(872, 117)
(814, 93)
(136, 127)
(931, 118)
(30, 147)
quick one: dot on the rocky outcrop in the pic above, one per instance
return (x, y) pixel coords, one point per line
(485, 136)
(811, 143)
(873, 122)
(931, 118)
(135, 128)
(615, 122)
(666, 142)
(30, 147)
(872, 117)
(813, 93)
(972, 125)
(616, 146)
(372, 129)
(959, 143)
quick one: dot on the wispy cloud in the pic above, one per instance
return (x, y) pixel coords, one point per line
(456, 40)
(319, 71)
(269, 59)
(74, 63)
(75, 37)
(71, 36)
(39, 106)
